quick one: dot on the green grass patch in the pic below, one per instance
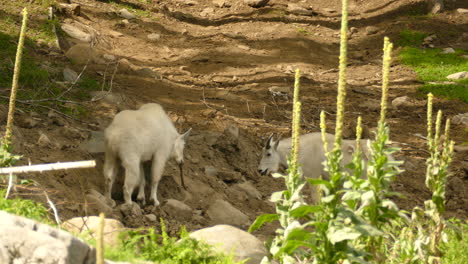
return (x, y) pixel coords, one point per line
(24, 207)
(451, 91)
(432, 65)
(410, 38)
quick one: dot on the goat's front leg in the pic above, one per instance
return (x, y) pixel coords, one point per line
(157, 169)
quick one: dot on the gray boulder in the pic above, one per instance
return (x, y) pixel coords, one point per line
(228, 239)
(27, 241)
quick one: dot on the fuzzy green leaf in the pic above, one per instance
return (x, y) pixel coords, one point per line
(304, 210)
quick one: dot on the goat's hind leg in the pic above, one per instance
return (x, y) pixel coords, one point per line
(141, 188)
(110, 172)
(132, 178)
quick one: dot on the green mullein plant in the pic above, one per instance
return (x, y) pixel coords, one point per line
(291, 234)
(429, 222)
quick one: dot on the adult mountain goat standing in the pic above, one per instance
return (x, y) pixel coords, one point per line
(135, 136)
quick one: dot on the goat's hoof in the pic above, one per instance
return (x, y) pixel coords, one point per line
(154, 202)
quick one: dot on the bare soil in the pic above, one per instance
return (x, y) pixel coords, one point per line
(214, 68)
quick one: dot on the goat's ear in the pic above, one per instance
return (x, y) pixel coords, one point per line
(268, 142)
(186, 134)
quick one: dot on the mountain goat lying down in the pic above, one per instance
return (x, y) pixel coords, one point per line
(311, 154)
(135, 136)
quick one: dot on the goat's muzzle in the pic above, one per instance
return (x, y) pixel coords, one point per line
(263, 172)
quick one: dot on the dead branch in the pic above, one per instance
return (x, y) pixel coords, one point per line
(49, 167)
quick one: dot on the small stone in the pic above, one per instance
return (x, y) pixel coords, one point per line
(211, 171)
(280, 90)
(151, 217)
(229, 176)
(430, 38)
(458, 75)
(132, 209)
(154, 36)
(27, 122)
(43, 140)
(207, 11)
(221, 3)
(244, 47)
(464, 56)
(448, 51)
(222, 212)
(329, 10)
(462, 10)
(109, 57)
(353, 30)
(370, 30)
(249, 189)
(256, 3)
(460, 119)
(299, 10)
(402, 101)
(70, 75)
(177, 209)
(126, 14)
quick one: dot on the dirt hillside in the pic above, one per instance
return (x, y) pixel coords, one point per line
(225, 69)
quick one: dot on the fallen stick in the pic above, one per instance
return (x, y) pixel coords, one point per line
(49, 167)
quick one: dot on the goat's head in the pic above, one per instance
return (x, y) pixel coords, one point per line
(179, 145)
(270, 161)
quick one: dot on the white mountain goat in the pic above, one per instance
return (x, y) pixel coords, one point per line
(135, 136)
(311, 155)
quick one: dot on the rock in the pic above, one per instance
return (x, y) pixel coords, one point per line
(460, 119)
(207, 11)
(232, 130)
(88, 226)
(402, 101)
(229, 176)
(462, 10)
(70, 75)
(299, 10)
(329, 10)
(102, 197)
(370, 30)
(464, 56)
(95, 144)
(44, 140)
(97, 206)
(109, 57)
(221, 3)
(228, 239)
(27, 241)
(429, 39)
(126, 14)
(458, 75)
(115, 34)
(80, 53)
(211, 171)
(126, 66)
(70, 9)
(256, 3)
(222, 212)
(108, 97)
(25, 121)
(154, 36)
(76, 33)
(177, 208)
(280, 91)
(132, 209)
(190, 2)
(353, 30)
(371, 104)
(151, 217)
(249, 189)
(448, 51)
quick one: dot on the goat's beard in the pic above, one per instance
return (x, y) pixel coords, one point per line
(181, 169)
